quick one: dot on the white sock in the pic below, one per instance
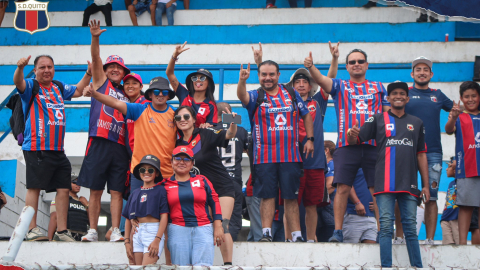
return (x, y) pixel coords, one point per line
(295, 235)
(311, 241)
(267, 231)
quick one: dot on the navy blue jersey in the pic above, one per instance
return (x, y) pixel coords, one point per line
(363, 194)
(146, 202)
(450, 212)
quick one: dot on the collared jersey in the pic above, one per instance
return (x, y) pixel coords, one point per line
(399, 140)
(450, 211)
(467, 145)
(363, 194)
(206, 110)
(356, 101)
(189, 201)
(146, 202)
(106, 122)
(427, 105)
(46, 122)
(155, 134)
(129, 132)
(316, 106)
(275, 126)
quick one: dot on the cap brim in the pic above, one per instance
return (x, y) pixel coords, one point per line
(127, 70)
(183, 153)
(304, 71)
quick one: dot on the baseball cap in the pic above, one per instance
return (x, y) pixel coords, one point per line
(133, 75)
(420, 60)
(159, 83)
(116, 59)
(303, 73)
(183, 150)
(150, 160)
(396, 85)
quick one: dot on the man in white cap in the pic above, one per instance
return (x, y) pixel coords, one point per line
(426, 103)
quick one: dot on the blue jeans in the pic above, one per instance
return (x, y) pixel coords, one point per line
(161, 8)
(434, 173)
(408, 212)
(253, 206)
(191, 245)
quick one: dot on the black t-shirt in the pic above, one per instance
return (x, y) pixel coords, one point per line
(204, 143)
(77, 219)
(232, 155)
(399, 140)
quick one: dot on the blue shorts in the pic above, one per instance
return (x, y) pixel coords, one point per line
(348, 159)
(434, 173)
(191, 245)
(270, 176)
(141, 7)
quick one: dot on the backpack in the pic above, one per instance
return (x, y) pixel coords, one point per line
(17, 120)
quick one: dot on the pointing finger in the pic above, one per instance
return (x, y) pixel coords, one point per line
(248, 67)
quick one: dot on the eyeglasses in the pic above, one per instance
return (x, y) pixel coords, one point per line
(143, 170)
(157, 92)
(201, 78)
(186, 159)
(178, 118)
(353, 62)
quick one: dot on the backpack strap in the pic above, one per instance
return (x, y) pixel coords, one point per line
(260, 98)
(60, 86)
(36, 87)
(292, 94)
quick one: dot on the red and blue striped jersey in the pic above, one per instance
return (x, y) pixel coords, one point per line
(275, 127)
(467, 145)
(106, 122)
(129, 136)
(356, 101)
(46, 121)
(189, 201)
(206, 110)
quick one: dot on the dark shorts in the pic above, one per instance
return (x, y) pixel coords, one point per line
(105, 162)
(348, 159)
(312, 187)
(223, 187)
(47, 170)
(474, 221)
(271, 176)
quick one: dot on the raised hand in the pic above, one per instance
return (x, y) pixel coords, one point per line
(258, 54)
(244, 73)
(87, 91)
(89, 67)
(95, 28)
(180, 49)
(455, 112)
(23, 62)
(308, 62)
(334, 49)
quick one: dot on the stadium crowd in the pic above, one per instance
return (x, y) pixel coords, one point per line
(174, 174)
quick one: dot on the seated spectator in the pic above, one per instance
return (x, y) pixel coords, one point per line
(149, 206)
(138, 7)
(192, 229)
(165, 6)
(77, 218)
(3, 7)
(293, 3)
(105, 6)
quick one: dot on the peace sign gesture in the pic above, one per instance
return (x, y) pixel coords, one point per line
(180, 49)
(244, 73)
(334, 49)
(95, 28)
(455, 112)
(258, 54)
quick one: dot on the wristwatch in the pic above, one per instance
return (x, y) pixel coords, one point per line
(310, 139)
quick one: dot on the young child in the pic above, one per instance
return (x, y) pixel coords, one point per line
(449, 220)
(466, 126)
(149, 206)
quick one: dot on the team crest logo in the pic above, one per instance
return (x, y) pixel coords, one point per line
(433, 98)
(410, 127)
(390, 126)
(194, 142)
(371, 90)
(143, 198)
(31, 16)
(312, 108)
(183, 149)
(362, 105)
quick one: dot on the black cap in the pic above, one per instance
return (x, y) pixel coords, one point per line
(202, 71)
(159, 83)
(396, 85)
(300, 76)
(150, 160)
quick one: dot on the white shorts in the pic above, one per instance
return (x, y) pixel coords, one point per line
(358, 228)
(144, 237)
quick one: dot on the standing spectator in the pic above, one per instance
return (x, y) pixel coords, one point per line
(165, 6)
(106, 159)
(3, 7)
(47, 166)
(192, 229)
(199, 91)
(276, 165)
(449, 220)
(355, 99)
(426, 104)
(77, 220)
(466, 126)
(105, 6)
(232, 157)
(401, 154)
(326, 222)
(138, 7)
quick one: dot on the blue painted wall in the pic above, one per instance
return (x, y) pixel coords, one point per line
(8, 176)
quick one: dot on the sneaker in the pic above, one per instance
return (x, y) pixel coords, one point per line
(370, 4)
(429, 242)
(35, 234)
(423, 18)
(63, 237)
(337, 236)
(266, 238)
(91, 236)
(399, 241)
(271, 6)
(116, 236)
(288, 241)
(300, 239)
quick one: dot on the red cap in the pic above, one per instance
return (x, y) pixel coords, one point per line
(133, 75)
(183, 150)
(116, 59)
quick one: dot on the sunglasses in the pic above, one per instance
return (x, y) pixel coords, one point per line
(185, 159)
(143, 170)
(178, 118)
(201, 78)
(353, 62)
(157, 92)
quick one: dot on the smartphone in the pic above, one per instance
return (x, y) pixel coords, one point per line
(424, 198)
(227, 119)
